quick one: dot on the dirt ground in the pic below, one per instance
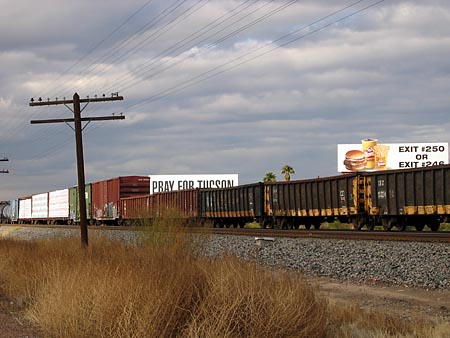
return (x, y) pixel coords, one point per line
(12, 323)
(403, 302)
(406, 303)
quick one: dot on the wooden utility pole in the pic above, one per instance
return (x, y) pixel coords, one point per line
(77, 120)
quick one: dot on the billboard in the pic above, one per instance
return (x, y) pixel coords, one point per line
(370, 155)
(161, 183)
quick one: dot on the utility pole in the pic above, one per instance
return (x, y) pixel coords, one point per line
(77, 120)
(4, 171)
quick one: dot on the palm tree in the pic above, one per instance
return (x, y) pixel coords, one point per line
(287, 171)
(270, 177)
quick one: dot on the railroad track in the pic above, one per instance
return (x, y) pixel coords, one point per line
(411, 236)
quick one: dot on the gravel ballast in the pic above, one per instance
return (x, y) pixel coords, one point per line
(410, 264)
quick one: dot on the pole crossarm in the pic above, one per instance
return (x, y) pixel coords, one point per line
(65, 102)
(83, 119)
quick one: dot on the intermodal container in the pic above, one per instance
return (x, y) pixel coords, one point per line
(107, 194)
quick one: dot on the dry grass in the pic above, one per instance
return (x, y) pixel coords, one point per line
(162, 289)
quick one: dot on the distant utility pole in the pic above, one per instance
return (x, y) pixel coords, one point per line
(77, 119)
(4, 171)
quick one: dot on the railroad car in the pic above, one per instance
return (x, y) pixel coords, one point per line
(410, 197)
(10, 211)
(58, 207)
(312, 202)
(24, 210)
(107, 194)
(234, 205)
(74, 208)
(182, 204)
(414, 197)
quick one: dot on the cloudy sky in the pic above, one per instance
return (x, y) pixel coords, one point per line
(217, 86)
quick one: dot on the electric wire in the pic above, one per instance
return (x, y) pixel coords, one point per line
(223, 68)
(142, 69)
(12, 128)
(229, 65)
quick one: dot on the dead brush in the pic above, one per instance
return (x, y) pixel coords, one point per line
(161, 288)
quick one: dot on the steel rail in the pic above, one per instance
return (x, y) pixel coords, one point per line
(410, 236)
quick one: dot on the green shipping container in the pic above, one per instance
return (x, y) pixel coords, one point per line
(74, 209)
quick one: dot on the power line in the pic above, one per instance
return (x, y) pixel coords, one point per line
(223, 68)
(12, 128)
(140, 69)
(134, 36)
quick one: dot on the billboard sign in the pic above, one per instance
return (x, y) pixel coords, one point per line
(162, 183)
(370, 155)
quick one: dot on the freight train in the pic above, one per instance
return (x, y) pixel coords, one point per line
(391, 198)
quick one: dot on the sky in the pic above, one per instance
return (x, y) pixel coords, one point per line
(216, 86)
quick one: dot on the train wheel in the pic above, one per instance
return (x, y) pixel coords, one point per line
(388, 223)
(401, 226)
(434, 224)
(370, 226)
(358, 223)
(419, 227)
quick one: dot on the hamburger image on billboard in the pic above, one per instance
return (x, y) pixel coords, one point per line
(355, 160)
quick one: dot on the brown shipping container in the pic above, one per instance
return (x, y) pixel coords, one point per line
(107, 194)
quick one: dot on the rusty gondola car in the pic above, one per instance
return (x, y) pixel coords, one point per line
(182, 204)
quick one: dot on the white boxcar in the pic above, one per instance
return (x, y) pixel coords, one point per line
(25, 208)
(58, 204)
(39, 206)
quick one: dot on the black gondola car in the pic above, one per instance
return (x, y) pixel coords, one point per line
(412, 197)
(311, 202)
(232, 206)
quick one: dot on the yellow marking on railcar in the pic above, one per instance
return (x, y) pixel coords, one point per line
(443, 209)
(343, 211)
(430, 209)
(353, 211)
(410, 210)
(374, 210)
